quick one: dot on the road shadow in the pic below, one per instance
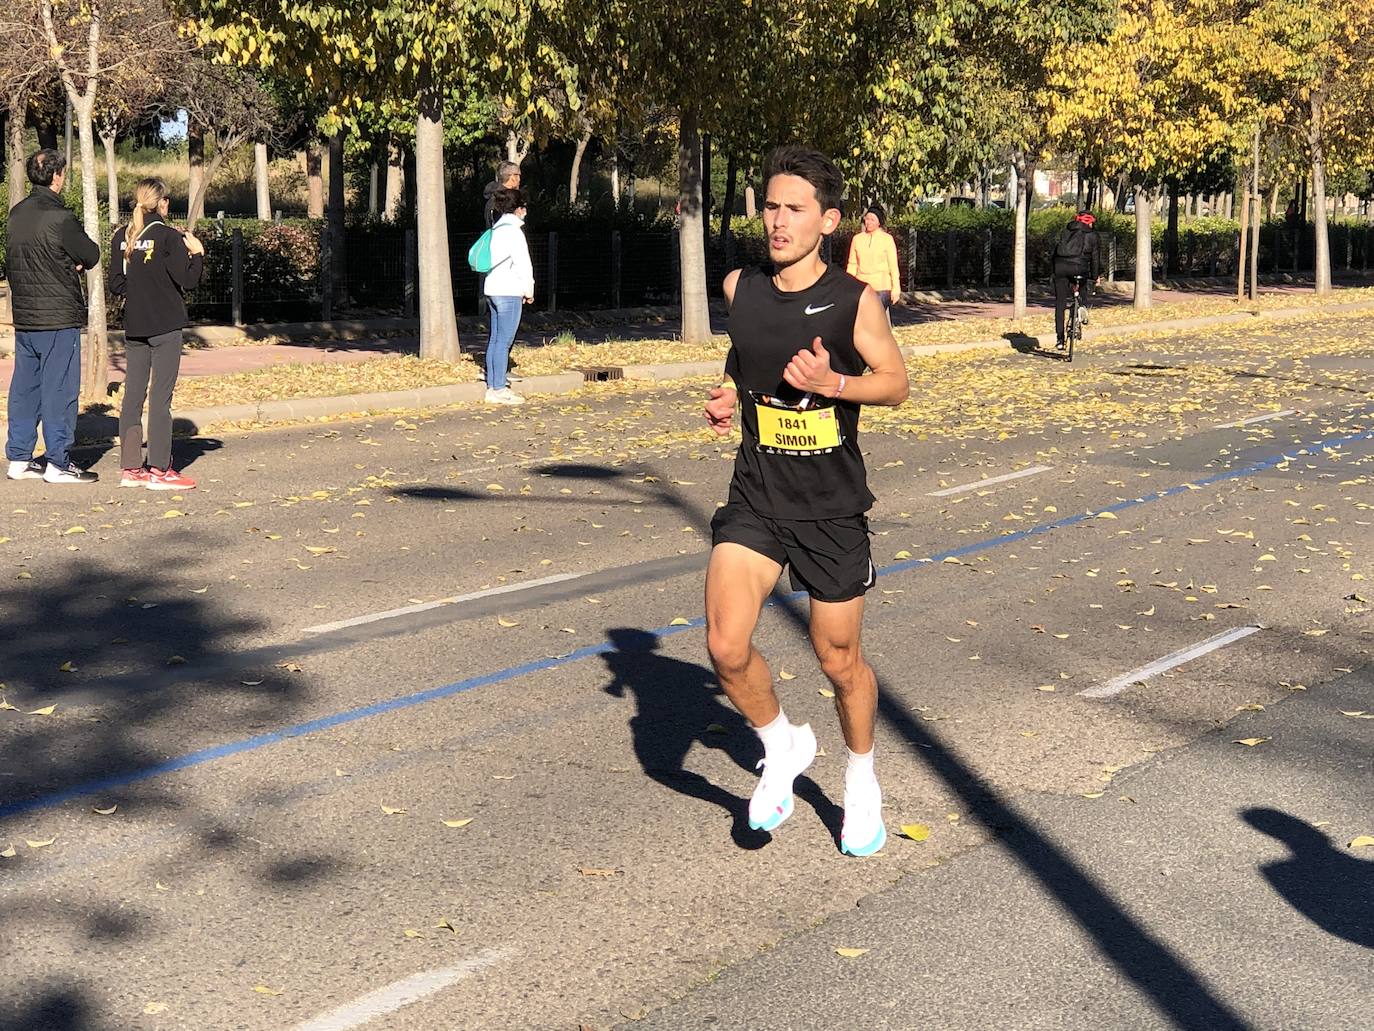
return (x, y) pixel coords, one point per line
(133, 664)
(1333, 889)
(679, 704)
(97, 434)
(1024, 343)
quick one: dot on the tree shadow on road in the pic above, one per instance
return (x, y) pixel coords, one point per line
(1331, 888)
(679, 705)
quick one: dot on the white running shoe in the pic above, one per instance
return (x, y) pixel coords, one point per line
(772, 801)
(69, 473)
(504, 396)
(863, 832)
(30, 470)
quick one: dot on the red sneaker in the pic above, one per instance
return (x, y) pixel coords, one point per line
(169, 479)
(134, 477)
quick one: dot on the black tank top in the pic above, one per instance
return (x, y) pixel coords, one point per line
(799, 457)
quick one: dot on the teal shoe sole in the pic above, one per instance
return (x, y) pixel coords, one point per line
(775, 820)
(868, 850)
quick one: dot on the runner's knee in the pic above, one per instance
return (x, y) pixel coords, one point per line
(729, 652)
(839, 662)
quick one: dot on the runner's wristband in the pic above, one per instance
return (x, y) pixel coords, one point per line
(840, 389)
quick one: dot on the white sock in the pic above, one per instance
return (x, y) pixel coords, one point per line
(776, 736)
(858, 769)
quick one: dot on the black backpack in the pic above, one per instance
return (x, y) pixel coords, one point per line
(1073, 245)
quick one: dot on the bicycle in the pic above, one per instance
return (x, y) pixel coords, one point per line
(1077, 316)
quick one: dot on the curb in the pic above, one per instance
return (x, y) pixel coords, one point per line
(191, 420)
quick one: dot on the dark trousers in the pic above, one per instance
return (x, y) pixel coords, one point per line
(160, 357)
(1063, 296)
(44, 388)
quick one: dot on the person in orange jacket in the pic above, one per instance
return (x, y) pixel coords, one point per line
(873, 258)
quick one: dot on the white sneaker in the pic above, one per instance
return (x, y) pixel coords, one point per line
(69, 473)
(863, 832)
(772, 801)
(30, 470)
(504, 396)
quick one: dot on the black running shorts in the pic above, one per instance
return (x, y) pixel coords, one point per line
(829, 559)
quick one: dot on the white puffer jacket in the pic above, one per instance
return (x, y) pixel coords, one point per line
(512, 273)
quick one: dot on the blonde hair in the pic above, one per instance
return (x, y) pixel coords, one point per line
(148, 194)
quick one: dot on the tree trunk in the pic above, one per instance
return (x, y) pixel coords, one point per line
(1021, 181)
(696, 315)
(264, 187)
(518, 146)
(615, 178)
(395, 177)
(1244, 244)
(195, 182)
(1274, 200)
(314, 163)
(1144, 250)
(335, 213)
(374, 177)
(107, 143)
(728, 209)
(15, 175)
(95, 357)
(1171, 234)
(574, 177)
(1321, 266)
(751, 204)
(706, 178)
(438, 320)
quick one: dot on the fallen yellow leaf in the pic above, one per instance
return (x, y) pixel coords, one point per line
(40, 844)
(155, 1007)
(73, 529)
(459, 823)
(393, 810)
(850, 953)
(172, 513)
(903, 554)
(1361, 841)
(503, 621)
(106, 812)
(262, 989)
(47, 710)
(8, 853)
(784, 675)
(680, 621)
(825, 692)
(915, 831)
(1251, 742)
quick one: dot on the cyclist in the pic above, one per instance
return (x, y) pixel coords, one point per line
(1075, 257)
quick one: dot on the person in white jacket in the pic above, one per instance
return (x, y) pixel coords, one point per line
(509, 286)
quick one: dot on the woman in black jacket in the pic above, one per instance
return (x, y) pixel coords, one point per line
(152, 264)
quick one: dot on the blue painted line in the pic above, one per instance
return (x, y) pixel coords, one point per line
(208, 755)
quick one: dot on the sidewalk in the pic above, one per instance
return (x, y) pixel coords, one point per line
(358, 345)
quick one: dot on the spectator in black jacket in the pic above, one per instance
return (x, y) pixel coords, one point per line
(152, 263)
(1075, 257)
(507, 178)
(46, 253)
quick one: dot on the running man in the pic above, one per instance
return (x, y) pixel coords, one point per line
(802, 335)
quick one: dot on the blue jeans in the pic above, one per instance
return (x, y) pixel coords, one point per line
(505, 320)
(46, 382)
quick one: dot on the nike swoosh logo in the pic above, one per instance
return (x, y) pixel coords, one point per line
(869, 581)
(816, 311)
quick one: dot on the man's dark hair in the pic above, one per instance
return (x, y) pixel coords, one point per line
(43, 164)
(506, 200)
(809, 164)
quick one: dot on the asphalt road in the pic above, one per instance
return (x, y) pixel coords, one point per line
(407, 723)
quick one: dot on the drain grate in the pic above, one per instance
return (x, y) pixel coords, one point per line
(601, 373)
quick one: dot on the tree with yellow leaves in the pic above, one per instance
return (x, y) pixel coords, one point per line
(1166, 92)
(1322, 51)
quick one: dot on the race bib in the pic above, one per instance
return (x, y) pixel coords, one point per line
(807, 428)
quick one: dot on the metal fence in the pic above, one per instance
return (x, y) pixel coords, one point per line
(286, 272)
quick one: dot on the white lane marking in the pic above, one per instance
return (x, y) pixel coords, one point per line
(1168, 662)
(1030, 471)
(394, 996)
(325, 628)
(1258, 418)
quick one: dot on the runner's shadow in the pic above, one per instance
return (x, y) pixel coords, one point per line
(678, 704)
(1332, 889)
